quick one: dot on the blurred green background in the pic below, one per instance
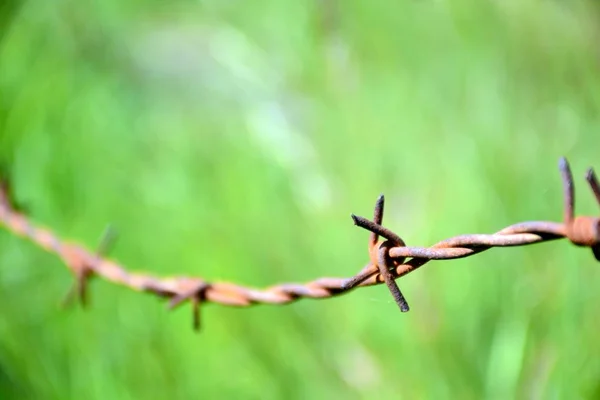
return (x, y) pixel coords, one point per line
(232, 140)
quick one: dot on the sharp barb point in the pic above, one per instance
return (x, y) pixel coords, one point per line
(196, 313)
(563, 163)
(596, 251)
(589, 174)
(568, 191)
(590, 177)
(68, 298)
(107, 240)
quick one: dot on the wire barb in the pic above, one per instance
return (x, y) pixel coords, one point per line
(196, 296)
(389, 259)
(384, 262)
(83, 271)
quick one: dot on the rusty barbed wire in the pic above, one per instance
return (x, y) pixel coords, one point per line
(389, 259)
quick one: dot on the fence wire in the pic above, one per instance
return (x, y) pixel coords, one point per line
(390, 258)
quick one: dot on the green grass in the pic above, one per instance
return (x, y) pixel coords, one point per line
(232, 140)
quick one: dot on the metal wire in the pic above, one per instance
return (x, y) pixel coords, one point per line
(388, 259)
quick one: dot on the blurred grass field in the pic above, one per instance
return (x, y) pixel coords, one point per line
(232, 140)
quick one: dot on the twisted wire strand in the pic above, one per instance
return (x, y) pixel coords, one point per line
(388, 259)
(521, 234)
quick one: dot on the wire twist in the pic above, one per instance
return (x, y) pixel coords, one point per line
(388, 258)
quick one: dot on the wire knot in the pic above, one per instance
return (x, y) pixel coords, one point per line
(80, 263)
(193, 290)
(379, 253)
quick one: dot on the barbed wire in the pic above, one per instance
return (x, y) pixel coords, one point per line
(389, 259)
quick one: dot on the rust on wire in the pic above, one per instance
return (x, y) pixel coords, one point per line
(390, 258)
